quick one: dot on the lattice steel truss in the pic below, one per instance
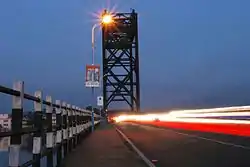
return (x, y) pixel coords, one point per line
(121, 61)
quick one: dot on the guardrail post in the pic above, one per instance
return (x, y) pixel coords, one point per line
(37, 138)
(74, 125)
(59, 132)
(70, 126)
(92, 120)
(16, 125)
(81, 125)
(65, 130)
(49, 132)
(88, 122)
(77, 125)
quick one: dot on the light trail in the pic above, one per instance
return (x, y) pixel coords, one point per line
(196, 115)
(212, 110)
(226, 120)
(215, 114)
(187, 117)
(205, 120)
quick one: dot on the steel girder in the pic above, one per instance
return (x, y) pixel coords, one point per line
(121, 61)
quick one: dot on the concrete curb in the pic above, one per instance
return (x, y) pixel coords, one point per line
(135, 149)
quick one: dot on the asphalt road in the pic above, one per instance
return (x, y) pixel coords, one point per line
(180, 148)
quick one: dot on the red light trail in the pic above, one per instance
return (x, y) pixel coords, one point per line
(226, 120)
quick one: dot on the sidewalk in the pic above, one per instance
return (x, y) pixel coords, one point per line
(103, 148)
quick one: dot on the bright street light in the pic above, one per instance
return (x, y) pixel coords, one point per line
(107, 19)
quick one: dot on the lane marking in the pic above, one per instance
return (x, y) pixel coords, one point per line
(213, 140)
(142, 156)
(199, 137)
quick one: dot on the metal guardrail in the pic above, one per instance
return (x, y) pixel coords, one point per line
(71, 123)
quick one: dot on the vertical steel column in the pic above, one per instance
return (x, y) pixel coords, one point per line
(104, 70)
(131, 77)
(137, 64)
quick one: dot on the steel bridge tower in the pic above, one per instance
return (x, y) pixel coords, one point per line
(120, 53)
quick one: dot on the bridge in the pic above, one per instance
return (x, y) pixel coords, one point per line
(81, 137)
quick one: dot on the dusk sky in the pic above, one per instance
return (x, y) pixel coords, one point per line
(193, 53)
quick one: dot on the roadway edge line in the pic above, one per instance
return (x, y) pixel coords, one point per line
(141, 155)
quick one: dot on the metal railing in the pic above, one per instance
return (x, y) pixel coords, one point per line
(72, 123)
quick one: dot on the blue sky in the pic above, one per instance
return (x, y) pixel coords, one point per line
(193, 53)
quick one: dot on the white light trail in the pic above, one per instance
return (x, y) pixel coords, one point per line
(195, 116)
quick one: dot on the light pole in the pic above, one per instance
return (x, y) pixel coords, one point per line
(101, 80)
(93, 62)
(105, 19)
(93, 43)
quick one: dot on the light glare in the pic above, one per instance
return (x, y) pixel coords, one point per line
(107, 19)
(195, 116)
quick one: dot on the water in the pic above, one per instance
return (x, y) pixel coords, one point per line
(26, 151)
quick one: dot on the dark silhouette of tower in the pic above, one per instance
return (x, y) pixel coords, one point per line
(121, 60)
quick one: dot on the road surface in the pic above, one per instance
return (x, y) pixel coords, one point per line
(180, 148)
